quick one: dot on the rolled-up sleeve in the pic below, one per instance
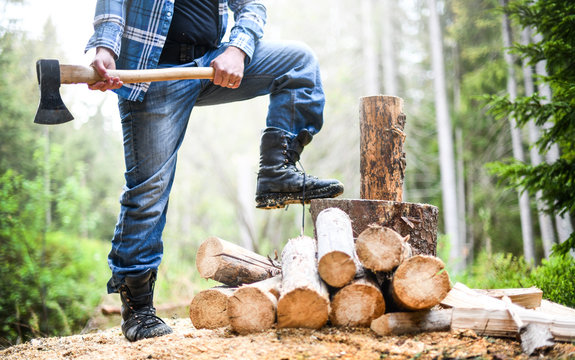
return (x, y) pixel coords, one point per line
(249, 21)
(109, 24)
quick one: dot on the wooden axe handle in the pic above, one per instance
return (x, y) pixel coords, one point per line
(78, 74)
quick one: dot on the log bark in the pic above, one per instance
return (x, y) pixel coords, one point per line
(400, 323)
(357, 304)
(338, 263)
(304, 300)
(252, 307)
(209, 308)
(382, 163)
(381, 248)
(420, 283)
(419, 221)
(231, 264)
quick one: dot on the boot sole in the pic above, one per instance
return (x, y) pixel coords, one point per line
(280, 200)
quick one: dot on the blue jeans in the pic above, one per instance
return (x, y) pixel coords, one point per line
(153, 131)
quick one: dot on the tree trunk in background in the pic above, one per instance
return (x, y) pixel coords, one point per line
(388, 53)
(562, 222)
(545, 221)
(371, 69)
(446, 157)
(245, 199)
(466, 246)
(526, 223)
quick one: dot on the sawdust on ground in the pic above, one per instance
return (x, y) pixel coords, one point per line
(327, 343)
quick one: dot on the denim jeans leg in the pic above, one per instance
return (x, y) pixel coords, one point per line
(289, 72)
(153, 131)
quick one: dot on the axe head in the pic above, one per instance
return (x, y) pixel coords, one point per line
(51, 109)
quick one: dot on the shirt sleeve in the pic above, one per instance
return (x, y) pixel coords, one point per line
(109, 23)
(250, 19)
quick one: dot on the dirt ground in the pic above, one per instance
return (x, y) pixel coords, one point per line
(327, 343)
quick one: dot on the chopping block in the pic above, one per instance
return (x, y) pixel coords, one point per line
(382, 168)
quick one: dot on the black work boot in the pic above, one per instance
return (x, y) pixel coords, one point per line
(280, 182)
(139, 320)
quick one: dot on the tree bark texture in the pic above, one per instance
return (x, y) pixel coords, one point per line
(208, 309)
(231, 264)
(304, 300)
(419, 221)
(357, 304)
(381, 248)
(382, 162)
(420, 283)
(337, 260)
(252, 307)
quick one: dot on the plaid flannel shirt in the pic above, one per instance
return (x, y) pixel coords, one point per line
(136, 30)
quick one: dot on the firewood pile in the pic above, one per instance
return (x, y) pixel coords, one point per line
(371, 264)
(373, 281)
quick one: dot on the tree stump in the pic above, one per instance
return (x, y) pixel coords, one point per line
(338, 263)
(208, 309)
(231, 264)
(304, 300)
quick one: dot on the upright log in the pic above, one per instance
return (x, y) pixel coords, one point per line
(357, 304)
(337, 261)
(304, 300)
(208, 309)
(382, 163)
(382, 166)
(231, 264)
(253, 307)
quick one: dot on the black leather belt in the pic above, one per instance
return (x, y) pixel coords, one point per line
(177, 53)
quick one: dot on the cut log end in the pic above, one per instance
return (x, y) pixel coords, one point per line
(303, 308)
(337, 268)
(357, 305)
(420, 282)
(380, 248)
(251, 310)
(206, 263)
(208, 309)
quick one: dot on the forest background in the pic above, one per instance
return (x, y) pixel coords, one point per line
(478, 117)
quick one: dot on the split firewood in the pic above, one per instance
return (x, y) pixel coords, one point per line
(357, 304)
(492, 317)
(338, 263)
(529, 298)
(381, 249)
(209, 308)
(231, 264)
(420, 283)
(304, 300)
(253, 307)
(400, 323)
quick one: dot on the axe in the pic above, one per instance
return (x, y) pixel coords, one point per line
(51, 74)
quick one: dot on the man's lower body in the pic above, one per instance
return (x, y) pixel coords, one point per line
(153, 131)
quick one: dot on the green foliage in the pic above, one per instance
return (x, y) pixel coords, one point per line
(50, 282)
(553, 20)
(497, 271)
(554, 276)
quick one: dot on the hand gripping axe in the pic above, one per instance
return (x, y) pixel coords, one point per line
(51, 74)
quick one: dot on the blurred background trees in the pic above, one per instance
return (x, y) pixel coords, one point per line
(59, 185)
